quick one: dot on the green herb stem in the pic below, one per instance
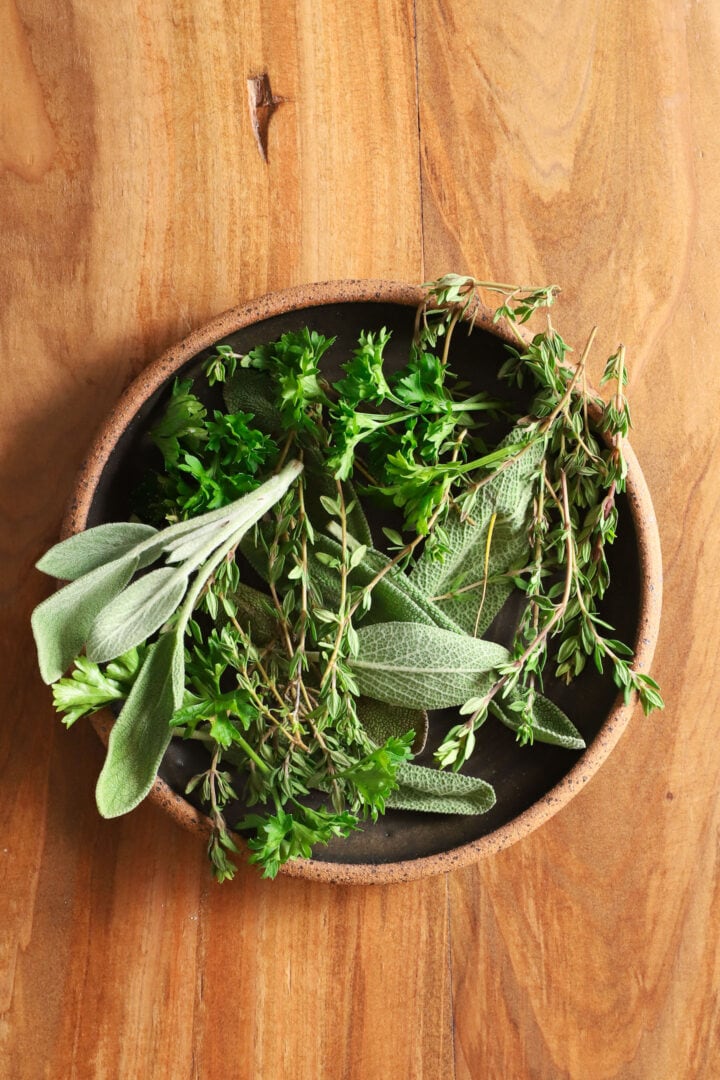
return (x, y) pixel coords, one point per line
(254, 757)
(344, 616)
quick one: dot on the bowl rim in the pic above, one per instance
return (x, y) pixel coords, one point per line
(381, 291)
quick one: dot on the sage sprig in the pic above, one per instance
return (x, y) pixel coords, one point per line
(74, 615)
(101, 611)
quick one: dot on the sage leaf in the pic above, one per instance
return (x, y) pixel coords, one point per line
(61, 623)
(141, 733)
(85, 551)
(549, 723)
(148, 603)
(421, 667)
(510, 490)
(475, 605)
(183, 547)
(394, 599)
(136, 613)
(382, 722)
(438, 792)
(456, 583)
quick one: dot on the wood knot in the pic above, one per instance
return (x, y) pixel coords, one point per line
(263, 104)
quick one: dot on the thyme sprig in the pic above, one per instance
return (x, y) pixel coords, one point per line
(574, 519)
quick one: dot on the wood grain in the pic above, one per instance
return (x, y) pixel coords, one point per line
(593, 952)
(573, 142)
(27, 140)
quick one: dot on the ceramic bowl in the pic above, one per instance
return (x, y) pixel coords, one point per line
(532, 783)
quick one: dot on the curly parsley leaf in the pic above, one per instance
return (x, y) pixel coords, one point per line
(182, 427)
(283, 836)
(90, 687)
(209, 462)
(294, 364)
(375, 776)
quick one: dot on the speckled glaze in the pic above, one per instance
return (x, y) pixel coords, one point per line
(336, 293)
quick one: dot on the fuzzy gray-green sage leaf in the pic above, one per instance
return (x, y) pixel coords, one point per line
(136, 614)
(422, 667)
(86, 551)
(436, 792)
(546, 721)
(77, 614)
(62, 623)
(472, 582)
(141, 734)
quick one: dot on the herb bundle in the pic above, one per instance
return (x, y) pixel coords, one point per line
(251, 608)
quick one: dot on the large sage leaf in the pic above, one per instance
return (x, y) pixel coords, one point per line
(476, 607)
(61, 623)
(439, 792)
(136, 613)
(422, 667)
(85, 551)
(183, 547)
(147, 604)
(382, 722)
(549, 723)
(141, 733)
(508, 496)
(395, 598)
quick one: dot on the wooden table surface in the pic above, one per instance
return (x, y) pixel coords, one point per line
(574, 142)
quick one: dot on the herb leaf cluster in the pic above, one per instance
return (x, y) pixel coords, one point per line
(254, 610)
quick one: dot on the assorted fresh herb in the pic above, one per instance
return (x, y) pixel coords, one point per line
(250, 609)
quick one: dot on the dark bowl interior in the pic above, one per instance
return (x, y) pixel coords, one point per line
(520, 776)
